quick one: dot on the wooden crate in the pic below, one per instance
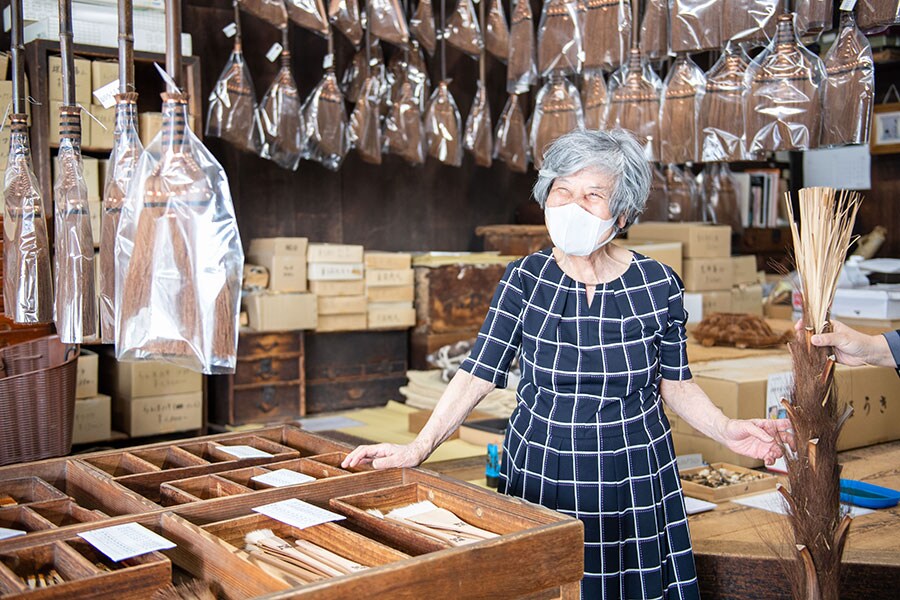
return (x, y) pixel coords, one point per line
(515, 240)
(721, 494)
(455, 297)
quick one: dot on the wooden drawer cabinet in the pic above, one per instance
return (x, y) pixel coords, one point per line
(268, 403)
(252, 345)
(269, 369)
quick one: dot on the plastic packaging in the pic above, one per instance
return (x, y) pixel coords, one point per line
(409, 66)
(595, 98)
(422, 26)
(722, 113)
(232, 113)
(607, 33)
(654, 43)
(557, 111)
(634, 98)
(282, 123)
(694, 25)
(813, 16)
(682, 96)
(521, 72)
(178, 255)
(873, 15)
(478, 136)
(404, 134)
(387, 21)
(511, 137)
(559, 44)
(325, 118)
(443, 127)
(463, 31)
(657, 207)
(272, 11)
(783, 97)
(720, 196)
(28, 278)
(127, 149)
(344, 16)
(496, 31)
(749, 20)
(365, 122)
(309, 14)
(355, 73)
(682, 194)
(849, 87)
(76, 296)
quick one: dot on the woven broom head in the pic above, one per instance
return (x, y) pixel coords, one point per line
(422, 26)
(326, 118)
(477, 138)
(608, 23)
(387, 22)
(345, 16)
(695, 26)
(749, 20)
(442, 127)
(654, 30)
(403, 132)
(595, 98)
(559, 38)
(232, 117)
(521, 69)
(511, 145)
(309, 14)
(463, 31)
(849, 88)
(496, 32)
(365, 125)
(684, 89)
(271, 11)
(634, 102)
(722, 112)
(557, 112)
(281, 120)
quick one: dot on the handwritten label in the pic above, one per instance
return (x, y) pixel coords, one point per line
(230, 30)
(274, 52)
(282, 478)
(125, 541)
(244, 452)
(6, 533)
(106, 95)
(298, 513)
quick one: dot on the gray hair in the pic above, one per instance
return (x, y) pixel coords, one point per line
(615, 152)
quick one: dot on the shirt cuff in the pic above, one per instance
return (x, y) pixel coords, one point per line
(893, 340)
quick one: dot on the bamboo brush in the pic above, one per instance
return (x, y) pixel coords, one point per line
(280, 116)
(559, 45)
(462, 30)
(511, 138)
(272, 11)
(272, 545)
(309, 14)
(849, 87)
(683, 92)
(557, 111)
(654, 43)
(694, 25)
(443, 127)
(521, 72)
(595, 98)
(722, 113)
(422, 26)
(607, 27)
(344, 15)
(496, 32)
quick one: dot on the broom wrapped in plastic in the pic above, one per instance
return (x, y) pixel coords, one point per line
(365, 121)
(327, 131)
(720, 195)
(409, 66)
(607, 33)
(873, 15)
(849, 87)
(273, 12)
(309, 14)
(28, 279)
(722, 113)
(749, 20)
(784, 94)
(478, 134)
(521, 72)
(634, 97)
(463, 31)
(496, 32)
(279, 115)
(595, 98)
(344, 17)
(232, 113)
(813, 16)
(559, 44)
(682, 195)
(388, 22)
(557, 111)
(178, 254)
(657, 207)
(403, 130)
(511, 137)
(422, 26)
(364, 63)
(654, 44)
(694, 25)
(681, 99)
(443, 127)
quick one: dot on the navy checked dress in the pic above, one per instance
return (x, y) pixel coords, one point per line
(588, 437)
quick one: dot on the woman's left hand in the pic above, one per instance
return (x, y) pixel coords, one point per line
(757, 438)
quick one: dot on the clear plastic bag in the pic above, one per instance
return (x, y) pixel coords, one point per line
(511, 137)
(387, 21)
(282, 123)
(559, 44)
(657, 207)
(443, 127)
(521, 72)
(127, 149)
(595, 98)
(849, 87)
(179, 259)
(682, 195)
(813, 16)
(273, 12)
(634, 98)
(409, 66)
(404, 133)
(654, 43)
(557, 111)
(344, 16)
(478, 136)
(720, 196)
(325, 118)
(422, 26)
(365, 122)
(607, 33)
(76, 296)
(749, 20)
(695, 25)
(722, 114)
(873, 15)
(356, 71)
(309, 14)
(232, 113)
(27, 275)
(783, 97)
(682, 96)
(463, 31)
(496, 31)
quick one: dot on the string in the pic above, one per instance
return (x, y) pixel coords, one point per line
(482, 63)
(443, 41)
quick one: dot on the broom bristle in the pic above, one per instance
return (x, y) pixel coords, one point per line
(694, 26)
(326, 121)
(723, 108)
(748, 20)
(684, 87)
(608, 27)
(873, 14)
(521, 70)
(557, 112)
(309, 15)
(634, 104)
(496, 32)
(511, 145)
(463, 31)
(422, 26)
(345, 16)
(403, 133)
(654, 42)
(232, 117)
(478, 133)
(365, 127)
(595, 99)
(442, 127)
(282, 123)
(849, 87)
(556, 47)
(388, 22)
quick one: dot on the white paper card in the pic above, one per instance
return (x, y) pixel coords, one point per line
(274, 52)
(298, 513)
(692, 506)
(846, 168)
(328, 61)
(125, 541)
(244, 451)
(773, 502)
(329, 423)
(848, 5)
(106, 95)
(282, 477)
(6, 533)
(230, 30)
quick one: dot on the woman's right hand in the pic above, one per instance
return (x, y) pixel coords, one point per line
(385, 456)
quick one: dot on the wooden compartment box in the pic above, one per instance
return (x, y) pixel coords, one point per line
(29, 490)
(194, 489)
(62, 513)
(724, 493)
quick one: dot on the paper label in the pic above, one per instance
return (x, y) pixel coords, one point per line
(282, 477)
(244, 451)
(230, 30)
(125, 541)
(778, 386)
(274, 52)
(328, 61)
(848, 5)
(106, 95)
(6, 533)
(298, 513)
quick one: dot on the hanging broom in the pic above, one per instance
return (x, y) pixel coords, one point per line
(521, 72)
(818, 523)
(722, 114)
(365, 123)
(422, 26)
(595, 98)
(409, 66)
(403, 132)
(76, 296)
(559, 44)
(327, 136)
(813, 16)
(478, 135)
(365, 61)
(875, 14)
(271, 11)
(388, 22)
(279, 115)
(694, 25)
(462, 30)
(654, 44)
(683, 92)
(442, 122)
(849, 87)
(681, 193)
(309, 14)
(634, 94)
(557, 111)
(720, 194)
(511, 138)
(28, 279)
(496, 32)
(657, 207)
(344, 16)
(607, 33)
(749, 20)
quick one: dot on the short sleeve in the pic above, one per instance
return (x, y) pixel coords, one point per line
(501, 334)
(673, 360)
(893, 340)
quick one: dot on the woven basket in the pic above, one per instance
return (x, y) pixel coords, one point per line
(37, 399)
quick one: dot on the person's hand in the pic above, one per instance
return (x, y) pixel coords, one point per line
(756, 438)
(853, 348)
(385, 456)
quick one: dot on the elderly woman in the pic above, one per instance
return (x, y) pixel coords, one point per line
(601, 335)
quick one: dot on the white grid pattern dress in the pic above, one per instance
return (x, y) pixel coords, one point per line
(588, 436)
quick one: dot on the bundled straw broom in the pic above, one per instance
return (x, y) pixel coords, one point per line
(849, 87)
(813, 16)
(559, 45)
(607, 29)
(557, 111)
(279, 114)
(720, 196)
(364, 62)
(683, 93)
(28, 279)
(365, 122)
(409, 66)
(749, 20)
(722, 120)
(496, 32)
(511, 145)
(422, 26)
(443, 127)
(327, 137)
(388, 21)
(694, 25)
(478, 137)
(462, 29)
(344, 15)
(403, 130)
(595, 98)
(657, 207)
(654, 42)
(271, 11)
(521, 72)
(309, 14)
(634, 94)
(681, 193)
(818, 523)
(874, 14)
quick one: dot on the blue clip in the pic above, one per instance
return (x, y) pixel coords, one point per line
(867, 495)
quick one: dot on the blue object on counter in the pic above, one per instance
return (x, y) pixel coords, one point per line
(492, 468)
(867, 495)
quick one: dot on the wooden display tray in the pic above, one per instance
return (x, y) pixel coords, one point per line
(722, 494)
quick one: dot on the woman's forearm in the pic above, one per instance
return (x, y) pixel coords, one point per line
(690, 402)
(463, 393)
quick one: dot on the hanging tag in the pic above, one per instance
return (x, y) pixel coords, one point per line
(106, 95)
(328, 61)
(848, 5)
(230, 30)
(274, 52)
(166, 77)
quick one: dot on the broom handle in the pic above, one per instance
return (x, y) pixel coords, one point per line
(173, 43)
(635, 22)
(126, 46)
(368, 40)
(238, 41)
(443, 40)
(65, 48)
(18, 58)
(482, 63)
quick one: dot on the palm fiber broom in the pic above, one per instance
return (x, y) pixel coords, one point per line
(309, 14)
(595, 98)
(654, 42)
(462, 30)
(694, 25)
(875, 14)
(344, 15)
(813, 16)
(634, 97)
(365, 62)
(478, 134)
(511, 137)
(403, 130)
(721, 196)
(28, 278)
(559, 43)
(521, 71)
(422, 26)
(365, 120)
(849, 87)
(410, 66)
(749, 20)
(818, 523)
(557, 111)
(722, 112)
(442, 121)
(76, 296)
(273, 12)
(279, 115)
(327, 135)
(607, 33)
(388, 22)
(496, 32)
(682, 95)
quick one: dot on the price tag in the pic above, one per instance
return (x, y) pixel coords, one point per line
(245, 452)
(125, 541)
(274, 52)
(298, 513)
(106, 95)
(848, 5)
(282, 477)
(6, 533)
(230, 30)
(328, 61)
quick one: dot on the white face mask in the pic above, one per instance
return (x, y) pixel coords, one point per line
(575, 231)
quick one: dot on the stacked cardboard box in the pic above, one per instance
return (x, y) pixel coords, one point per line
(101, 133)
(285, 305)
(389, 290)
(93, 412)
(94, 187)
(336, 278)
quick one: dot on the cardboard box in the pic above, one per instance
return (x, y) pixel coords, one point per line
(130, 380)
(402, 293)
(96, 208)
(53, 132)
(103, 72)
(388, 260)
(338, 288)
(93, 419)
(149, 124)
(389, 278)
(779, 311)
(156, 415)
(335, 271)
(83, 87)
(329, 323)
(698, 239)
(4, 64)
(281, 246)
(6, 98)
(4, 152)
(747, 299)
(718, 301)
(100, 138)
(286, 273)
(335, 253)
(88, 374)
(391, 315)
(342, 305)
(873, 302)
(707, 274)
(668, 253)
(744, 269)
(281, 312)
